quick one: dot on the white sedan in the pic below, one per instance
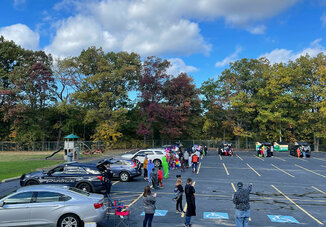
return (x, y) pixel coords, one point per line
(154, 155)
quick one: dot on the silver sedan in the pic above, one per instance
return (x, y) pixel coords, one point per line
(48, 205)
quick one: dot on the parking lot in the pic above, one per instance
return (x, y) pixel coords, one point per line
(285, 190)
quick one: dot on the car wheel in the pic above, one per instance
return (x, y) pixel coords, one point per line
(124, 176)
(157, 163)
(85, 187)
(31, 182)
(70, 220)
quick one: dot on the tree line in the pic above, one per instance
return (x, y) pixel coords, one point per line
(118, 97)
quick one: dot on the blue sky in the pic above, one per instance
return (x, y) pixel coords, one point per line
(199, 37)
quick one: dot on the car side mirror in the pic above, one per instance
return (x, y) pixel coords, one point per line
(2, 203)
(49, 173)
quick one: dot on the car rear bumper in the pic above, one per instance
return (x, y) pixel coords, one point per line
(98, 217)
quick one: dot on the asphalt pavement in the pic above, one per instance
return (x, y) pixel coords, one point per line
(285, 190)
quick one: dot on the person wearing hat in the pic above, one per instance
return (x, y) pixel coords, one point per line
(242, 206)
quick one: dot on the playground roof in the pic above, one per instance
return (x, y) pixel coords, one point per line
(72, 136)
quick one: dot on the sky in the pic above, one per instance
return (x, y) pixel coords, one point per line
(199, 37)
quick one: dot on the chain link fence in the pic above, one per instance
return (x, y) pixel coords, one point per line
(132, 144)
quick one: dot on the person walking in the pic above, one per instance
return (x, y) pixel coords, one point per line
(191, 203)
(242, 206)
(160, 177)
(150, 167)
(205, 150)
(149, 202)
(165, 167)
(186, 157)
(154, 178)
(178, 189)
(145, 168)
(195, 163)
(182, 164)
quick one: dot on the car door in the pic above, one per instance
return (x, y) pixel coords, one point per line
(72, 175)
(53, 176)
(15, 210)
(46, 208)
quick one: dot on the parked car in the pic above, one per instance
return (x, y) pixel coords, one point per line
(123, 169)
(84, 176)
(304, 147)
(51, 205)
(154, 155)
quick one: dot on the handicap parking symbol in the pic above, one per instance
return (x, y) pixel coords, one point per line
(158, 213)
(282, 219)
(215, 215)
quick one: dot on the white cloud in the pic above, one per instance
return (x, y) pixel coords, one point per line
(257, 30)
(284, 55)
(18, 3)
(156, 27)
(179, 66)
(77, 33)
(323, 19)
(21, 35)
(231, 58)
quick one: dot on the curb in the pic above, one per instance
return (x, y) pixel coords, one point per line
(10, 179)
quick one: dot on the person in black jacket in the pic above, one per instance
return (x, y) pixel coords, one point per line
(178, 189)
(107, 178)
(191, 203)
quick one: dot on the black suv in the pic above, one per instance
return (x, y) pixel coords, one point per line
(85, 176)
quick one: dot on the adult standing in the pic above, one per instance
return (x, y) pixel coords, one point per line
(195, 160)
(107, 178)
(149, 201)
(150, 167)
(205, 150)
(191, 203)
(186, 157)
(242, 206)
(145, 168)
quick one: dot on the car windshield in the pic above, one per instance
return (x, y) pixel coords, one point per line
(78, 191)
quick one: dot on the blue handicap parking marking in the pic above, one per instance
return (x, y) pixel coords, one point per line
(282, 219)
(158, 213)
(215, 215)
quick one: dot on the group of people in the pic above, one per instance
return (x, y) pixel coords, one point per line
(240, 198)
(265, 150)
(153, 174)
(149, 201)
(175, 158)
(226, 149)
(302, 149)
